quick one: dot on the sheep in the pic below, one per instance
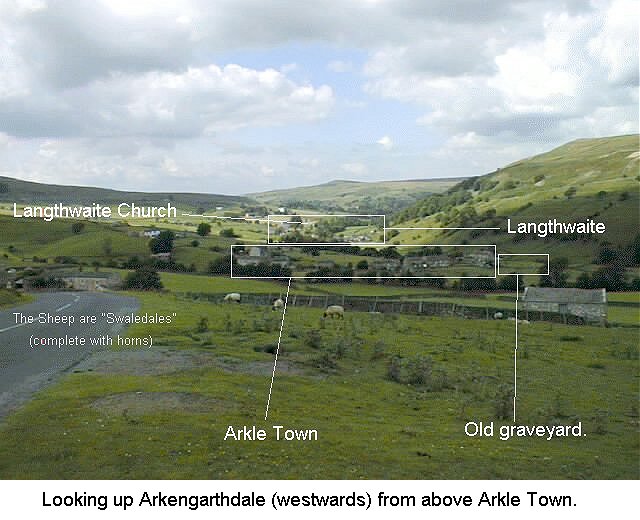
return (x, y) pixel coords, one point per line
(277, 305)
(233, 297)
(497, 316)
(334, 311)
(526, 322)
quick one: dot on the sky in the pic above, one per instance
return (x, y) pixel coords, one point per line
(241, 96)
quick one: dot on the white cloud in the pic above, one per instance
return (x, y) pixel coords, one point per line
(547, 87)
(355, 169)
(4, 140)
(198, 101)
(170, 165)
(385, 142)
(127, 94)
(267, 171)
(616, 45)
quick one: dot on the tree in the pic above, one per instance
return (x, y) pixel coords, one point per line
(204, 229)
(228, 233)
(362, 265)
(583, 281)
(163, 243)
(606, 253)
(107, 246)
(634, 248)
(508, 283)
(143, 279)
(610, 277)
(557, 276)
(77, 227)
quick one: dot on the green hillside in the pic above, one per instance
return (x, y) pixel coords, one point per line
(383, 197)
(587, 178)
(15, 190)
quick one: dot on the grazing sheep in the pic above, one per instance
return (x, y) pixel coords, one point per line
(277, 305)
(526, 322)
(497, 316)
(334, 311)
(233, 297)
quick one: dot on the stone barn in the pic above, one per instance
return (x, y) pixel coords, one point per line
(588, 304)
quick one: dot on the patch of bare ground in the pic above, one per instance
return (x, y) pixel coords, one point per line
(152, 362)
(141, 403)
(148, 362)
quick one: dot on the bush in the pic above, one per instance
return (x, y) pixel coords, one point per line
(221, 265)
(325, 362)
(394, 370)
(313, 339)
(77, 227)
(228, 233)
(503, 401)
(203, 325)
(420, 370)
(379, 350)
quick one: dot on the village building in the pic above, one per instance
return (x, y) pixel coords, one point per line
(588, 304)
(481, 258)
(387, 264)
(163, 257)
(417, 265)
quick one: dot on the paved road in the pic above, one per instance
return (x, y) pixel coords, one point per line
(23, 369)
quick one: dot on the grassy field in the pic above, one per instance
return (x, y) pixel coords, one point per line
(627, 314)
(139, 421)
(12, 298)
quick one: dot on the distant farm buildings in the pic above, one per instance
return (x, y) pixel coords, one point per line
(418, 265)
(260, 255)
(90, 281)
(588, 304)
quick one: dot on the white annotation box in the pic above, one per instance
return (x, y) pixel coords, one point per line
(280, 225)
(509, 263)
(416, 265)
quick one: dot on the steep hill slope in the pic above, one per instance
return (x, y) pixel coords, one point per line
(19, 191)
(382, 197)
(587, 178)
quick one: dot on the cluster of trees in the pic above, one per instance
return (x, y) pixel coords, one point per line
(143, 279)
(263, 269)
(454, 196)
(611, 275)
(611, 278)
(163, 243)
(626, 256)
(336, 273)
(47, 283)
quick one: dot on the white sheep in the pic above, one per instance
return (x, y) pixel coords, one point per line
(277, 305)
(233, 297)
(525, 322)
(334, 311)
(497, 316)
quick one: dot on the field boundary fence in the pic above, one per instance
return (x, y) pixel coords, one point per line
(375, 304)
